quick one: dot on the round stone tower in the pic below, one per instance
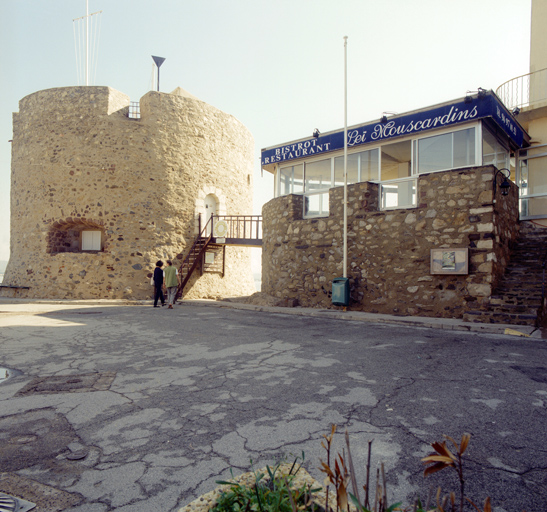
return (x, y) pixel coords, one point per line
(98, 195)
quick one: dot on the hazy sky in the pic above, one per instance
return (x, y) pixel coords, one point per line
(277, 66)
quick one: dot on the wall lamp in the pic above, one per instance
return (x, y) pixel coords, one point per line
(516, 111)
(383, 119)
(481, 93)
(316, 133)
(505, 185)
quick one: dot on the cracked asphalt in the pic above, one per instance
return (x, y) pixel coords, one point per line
(113, 406)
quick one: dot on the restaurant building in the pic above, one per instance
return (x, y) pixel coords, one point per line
(432, 210)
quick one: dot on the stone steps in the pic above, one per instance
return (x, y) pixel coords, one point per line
(522, 294)
(534, 302)
(517, 299)
(491, 317)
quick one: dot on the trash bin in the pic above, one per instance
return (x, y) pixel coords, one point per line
(340, 291)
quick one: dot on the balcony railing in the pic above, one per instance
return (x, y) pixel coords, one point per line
(235, 229)
(524, 91)
(241, 229)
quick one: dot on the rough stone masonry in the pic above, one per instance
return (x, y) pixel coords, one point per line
(80, 163)
(389, 250)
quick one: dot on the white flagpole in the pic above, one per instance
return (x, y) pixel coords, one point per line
(345, 274)
(86, 42)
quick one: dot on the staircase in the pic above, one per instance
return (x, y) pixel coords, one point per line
(190, 263)
(517, 299)
(240, 230)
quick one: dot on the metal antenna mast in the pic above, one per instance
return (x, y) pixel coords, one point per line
(86, 42)
(87, 18)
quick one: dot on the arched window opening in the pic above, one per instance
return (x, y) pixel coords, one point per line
(75, 236)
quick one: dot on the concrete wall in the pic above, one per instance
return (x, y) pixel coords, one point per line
(538, 36)
(78, 162)
(389, 251)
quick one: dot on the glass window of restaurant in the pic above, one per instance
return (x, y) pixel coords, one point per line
(398, 187)
(494, 152)
(318, 181)
(291, 180)
(446, 151)
(361, 166)
(394, 165)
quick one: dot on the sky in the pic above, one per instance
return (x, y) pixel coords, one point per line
(277, 66)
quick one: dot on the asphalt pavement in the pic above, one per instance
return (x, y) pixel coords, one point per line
(110, 405)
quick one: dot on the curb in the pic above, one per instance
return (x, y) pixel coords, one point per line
(449, 324)
(359, 316)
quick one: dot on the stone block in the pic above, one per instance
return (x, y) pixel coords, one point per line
(485, 228)
(485, 244)
(479, 290)
(485, 196)
(481, 211)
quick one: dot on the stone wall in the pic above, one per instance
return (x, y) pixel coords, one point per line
(389, 251)
(79, 163)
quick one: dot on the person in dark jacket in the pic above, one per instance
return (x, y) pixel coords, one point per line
(158, 284)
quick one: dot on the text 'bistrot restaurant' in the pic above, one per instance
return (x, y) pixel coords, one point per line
(426, 236)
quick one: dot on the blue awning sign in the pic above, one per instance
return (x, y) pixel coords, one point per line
(416, 122)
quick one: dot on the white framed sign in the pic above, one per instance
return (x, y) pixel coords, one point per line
(450, 261)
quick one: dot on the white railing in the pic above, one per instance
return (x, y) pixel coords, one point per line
(524, 91)
(134, 111)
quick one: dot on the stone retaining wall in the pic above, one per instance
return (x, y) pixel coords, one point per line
(389, 251)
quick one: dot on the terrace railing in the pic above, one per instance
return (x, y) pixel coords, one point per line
(237, 229)
(525, 90)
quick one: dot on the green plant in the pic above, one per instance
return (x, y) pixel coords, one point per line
(273, 492)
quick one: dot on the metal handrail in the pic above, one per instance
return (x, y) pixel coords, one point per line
(202, 240)
(524, 90)
(242, 227)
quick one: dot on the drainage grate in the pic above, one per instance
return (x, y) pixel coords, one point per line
(47, 498)
(12, 504)
(69, 384)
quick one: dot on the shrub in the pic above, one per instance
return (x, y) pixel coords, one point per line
(274, 492)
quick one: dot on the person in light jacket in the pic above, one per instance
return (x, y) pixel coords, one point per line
(171, 283)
